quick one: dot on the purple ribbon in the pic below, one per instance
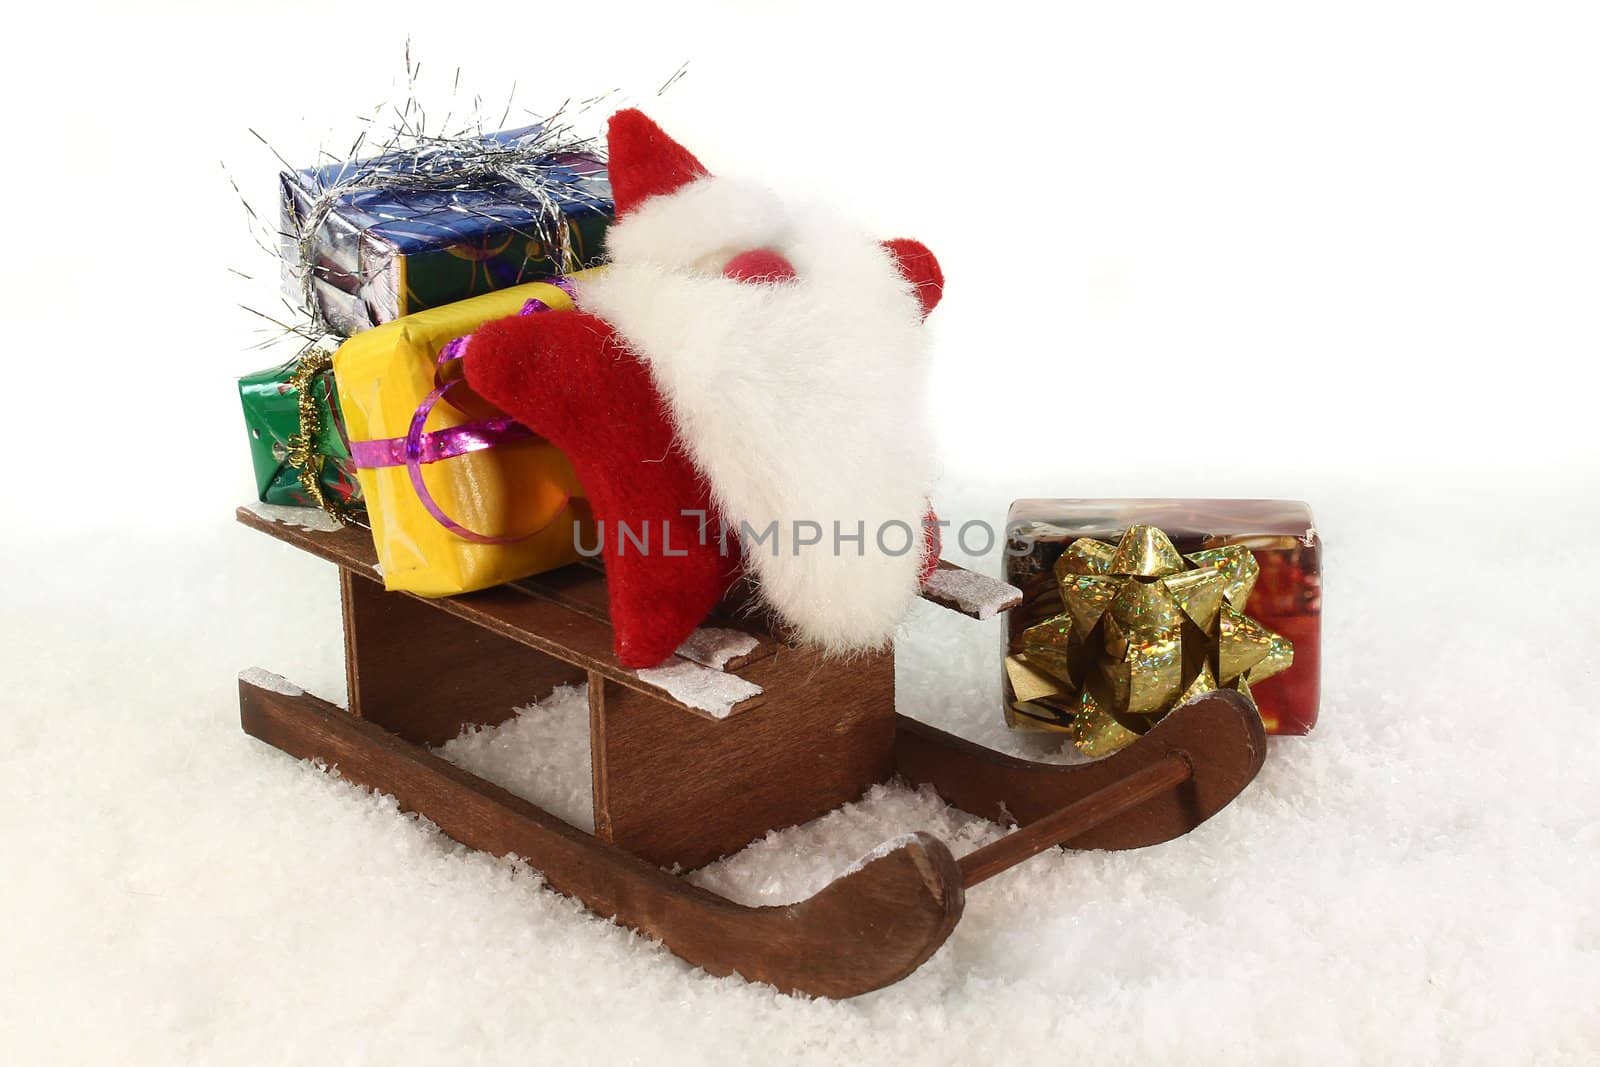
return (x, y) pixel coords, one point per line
(440, 444)
(418, 446)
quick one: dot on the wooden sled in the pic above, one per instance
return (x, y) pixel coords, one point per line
(677, 786)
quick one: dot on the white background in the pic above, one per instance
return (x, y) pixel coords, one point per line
(1343, 253)
(1368, 232)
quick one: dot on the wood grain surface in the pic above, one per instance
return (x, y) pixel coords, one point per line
(685, 791)
(424, 674)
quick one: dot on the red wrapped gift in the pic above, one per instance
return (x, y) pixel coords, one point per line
(1285, 599)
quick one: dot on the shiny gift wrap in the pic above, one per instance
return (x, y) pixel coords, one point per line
(297, 440)
(369, 241)
(512, 496)
(1126, 580)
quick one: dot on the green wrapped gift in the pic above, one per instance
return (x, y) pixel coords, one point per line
(297, 438)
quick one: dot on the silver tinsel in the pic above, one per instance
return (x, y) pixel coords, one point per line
(402, 150)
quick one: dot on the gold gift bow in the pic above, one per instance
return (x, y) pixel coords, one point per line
(1145, 629)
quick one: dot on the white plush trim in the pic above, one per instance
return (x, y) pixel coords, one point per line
(709, 217)
(799, 401)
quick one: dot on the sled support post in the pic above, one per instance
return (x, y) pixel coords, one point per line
(684, 790)
(1169, 772)
(422, 673)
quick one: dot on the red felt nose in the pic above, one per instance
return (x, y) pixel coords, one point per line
(759, 265)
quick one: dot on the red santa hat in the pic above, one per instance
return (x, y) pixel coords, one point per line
(673, 212)
(645, 162)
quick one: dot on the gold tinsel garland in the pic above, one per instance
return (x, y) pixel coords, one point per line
(301, 448)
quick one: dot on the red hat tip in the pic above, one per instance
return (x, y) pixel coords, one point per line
(645, 162)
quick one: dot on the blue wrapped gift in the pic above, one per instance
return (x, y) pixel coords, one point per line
(371, 240)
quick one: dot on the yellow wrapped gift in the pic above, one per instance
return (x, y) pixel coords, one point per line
(459, 496)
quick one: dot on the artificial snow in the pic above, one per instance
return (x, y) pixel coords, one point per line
(877, 852)
(973, 593)
(541, 754)
(1363, 240)
(272, 683)
(715, 646)
(714, 692)
(1414, 883)
(314, 519)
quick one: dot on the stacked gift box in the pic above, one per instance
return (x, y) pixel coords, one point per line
(1133, 606)
(391, 257)
(298, 444)
(368, 242)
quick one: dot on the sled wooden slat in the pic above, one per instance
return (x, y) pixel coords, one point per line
(582, 587)
(515, 611)
(1082, 814)
(348, 546)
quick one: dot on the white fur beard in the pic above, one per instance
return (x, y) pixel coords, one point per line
(802, 403)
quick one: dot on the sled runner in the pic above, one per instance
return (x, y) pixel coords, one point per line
(692, 761)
